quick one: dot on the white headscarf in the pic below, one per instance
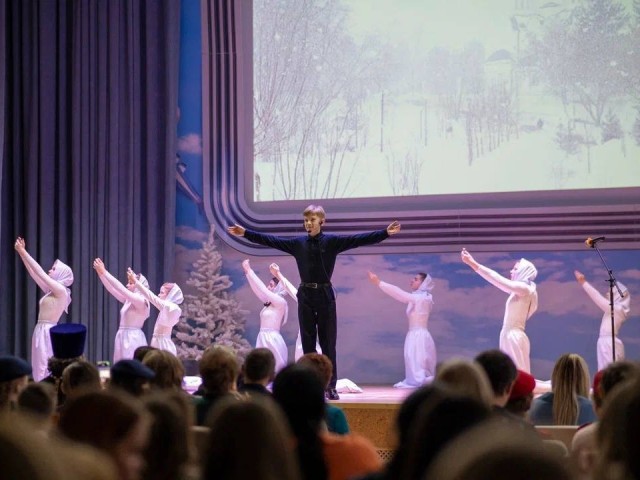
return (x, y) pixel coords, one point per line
(425, 287)
(527, 273)
(63, 274)
(623, 302)
(175, 295)
(145, 283)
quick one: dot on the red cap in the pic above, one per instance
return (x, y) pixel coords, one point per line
(596, 381)
(523, 385)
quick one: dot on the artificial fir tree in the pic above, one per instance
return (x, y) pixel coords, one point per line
(211, 315)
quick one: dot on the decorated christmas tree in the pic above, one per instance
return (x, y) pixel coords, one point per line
(210, 315)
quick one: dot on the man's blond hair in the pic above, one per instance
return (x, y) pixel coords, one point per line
(314, 210)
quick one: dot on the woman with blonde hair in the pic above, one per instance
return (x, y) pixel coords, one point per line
(567, 403)
(466, 378)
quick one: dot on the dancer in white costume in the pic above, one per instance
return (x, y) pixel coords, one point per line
(621, 311)
(521, 304)
(133, 313)
(55, 301)
(293, 293)
(273, 315)
(166, 302)
(419, 348)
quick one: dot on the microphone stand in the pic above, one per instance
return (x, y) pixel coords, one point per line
(612, 281)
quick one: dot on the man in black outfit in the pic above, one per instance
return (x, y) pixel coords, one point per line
(316, 255)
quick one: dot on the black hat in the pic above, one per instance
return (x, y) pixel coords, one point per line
(13, 367)
(67, 340)
(131, 368)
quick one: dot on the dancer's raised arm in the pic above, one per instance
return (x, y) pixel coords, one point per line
(517, 287)
(115, 287)
(391, 290)
(292, 291)
(259, 288)
(37, 273)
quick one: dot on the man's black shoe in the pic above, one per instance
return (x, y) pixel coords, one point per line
(332, 394)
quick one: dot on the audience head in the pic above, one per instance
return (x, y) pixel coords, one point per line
(521, 394)
(259, 366)
(249, 439)
(39, 401)
(140, 352)
(131, 376)
(219, 370)
(569, 379)
(67, 342)
(14, 377)
(501, 372)
(596, 392)
(499, 451)
(112, 422)
(78, 377)
(168, 370)
(319, 363)
(466, 378)
(300, 393)
(618, 435)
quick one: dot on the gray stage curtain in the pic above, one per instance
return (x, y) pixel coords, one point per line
(88, 164)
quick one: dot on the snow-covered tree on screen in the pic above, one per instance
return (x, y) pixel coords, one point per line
(211, 315)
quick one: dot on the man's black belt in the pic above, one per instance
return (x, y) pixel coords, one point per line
(314, 285)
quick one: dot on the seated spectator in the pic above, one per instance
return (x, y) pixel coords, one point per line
(113, 422)
(567, 402)
(466, 378)
(521, 395)
(131, 376)
(140, 352)
(258, 370)
(249, 440)
(219, 370)
(38, 401)
(321, 455)
(335, 419)
(14, 377)
(79, 377)
(498, 451)
(168, 370)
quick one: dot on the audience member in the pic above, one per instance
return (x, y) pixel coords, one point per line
(168, 370)
(258, 370)
(79, 377)
(14, 377)
(567, 402)
(335, 419)
(219, 369)
(502, 373)
(521, 396)
(466, 378)
(322, 455)
(38, 401)
(131, 376)
(251, 440)
(140, 352)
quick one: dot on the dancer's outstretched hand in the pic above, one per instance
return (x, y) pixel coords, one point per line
(467, 258)
(274, 268)
(131, 276)
(20, 245)
(373, 278)
(579, 277)
(394, 227)
(246, 266)
(99, 267)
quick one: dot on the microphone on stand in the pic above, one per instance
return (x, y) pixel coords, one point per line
(591, 242)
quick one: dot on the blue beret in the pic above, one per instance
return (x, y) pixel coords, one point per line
(131, 368)
(67, 340)
(13, 367)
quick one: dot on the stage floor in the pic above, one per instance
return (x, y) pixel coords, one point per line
(375, 394)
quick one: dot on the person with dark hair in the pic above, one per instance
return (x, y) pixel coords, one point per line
(79, 377)
(38, 401)
(521, 305)
(131, 376)
(53, 304)
(335, 419)
(321, 455)
(14, 377)
(419, 348)
(134, 312)
(501, 372)
(168, 370)
(219, 369)
(273, 316)
(316, 255)
(259, 371)
(141, 351)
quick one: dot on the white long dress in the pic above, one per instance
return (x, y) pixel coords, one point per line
(134, 312)
(419, 347)
(51, 307)
(621, 311)
(168, 316)
(521, 304)
(293, 293)
(272, 316)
